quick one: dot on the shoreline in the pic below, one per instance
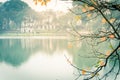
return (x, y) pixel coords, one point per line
(34, 37)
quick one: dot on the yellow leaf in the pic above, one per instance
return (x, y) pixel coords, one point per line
(39, 0)
(93, 2)
(108, 53)
(70, 45)
(83, 72)
(101, 63)
(103, 38)
(112, 20)
(84, 10)
(47, 0)
(91, 8)
(112, 36)
(43, 3)
(36, 3)
(103, 20)
(88, 15)
(86, 6)
(77, 18)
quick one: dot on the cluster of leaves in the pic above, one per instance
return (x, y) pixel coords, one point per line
(42, 2)
(103, 17)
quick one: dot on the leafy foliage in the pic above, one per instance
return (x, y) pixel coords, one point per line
(101, 17)
(42, 2)
(10, 11)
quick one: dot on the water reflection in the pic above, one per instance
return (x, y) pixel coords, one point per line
(12, 52)
(34, 59)
(41, 59)
(17, 51)
(39, 67)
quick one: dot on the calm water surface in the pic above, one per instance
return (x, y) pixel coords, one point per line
(40, 59)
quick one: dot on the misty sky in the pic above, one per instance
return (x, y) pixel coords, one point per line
(54, 4)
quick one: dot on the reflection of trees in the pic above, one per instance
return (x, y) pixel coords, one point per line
(12, 52)
(17, 51)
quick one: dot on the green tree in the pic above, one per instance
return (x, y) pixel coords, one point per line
(10, 11)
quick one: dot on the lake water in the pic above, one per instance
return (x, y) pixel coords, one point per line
(41, 58)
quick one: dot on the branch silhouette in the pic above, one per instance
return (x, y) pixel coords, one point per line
(111, 33)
